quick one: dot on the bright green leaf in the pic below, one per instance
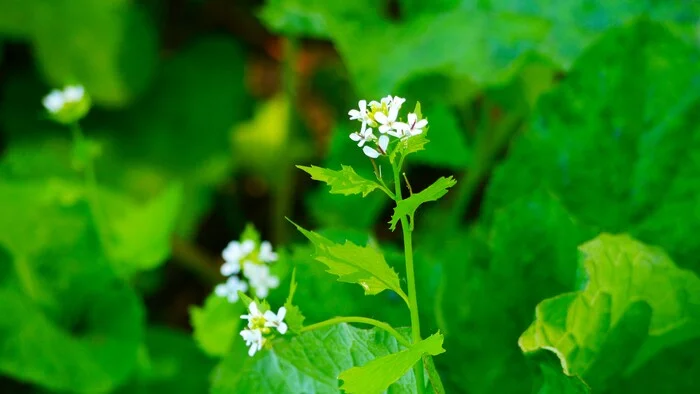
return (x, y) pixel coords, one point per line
(352, 263)
(294, 318)
(216, 324)
(346, 181)
(636, 302)
(307, 363)
(378, 374)
(408, 206)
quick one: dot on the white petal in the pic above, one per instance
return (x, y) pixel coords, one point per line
(371, 152)
(270, 316)
(282, 328)
(230, 268)
(262, 292)
(54, 101)
(384, 142)
(412, 118)
(233, 297)
(394, 111)
(355, 137)
(281, 313)
(232, 252)
(247, 246)
(384, 128)
(362, 104)
(381, 118)
(401, 126)
(253, 308)
(221, 290)
(252, 350)
(421, 124)
(73, 93)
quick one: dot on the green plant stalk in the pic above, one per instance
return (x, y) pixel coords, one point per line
(362, 320)
(91, 187)
(411, 279)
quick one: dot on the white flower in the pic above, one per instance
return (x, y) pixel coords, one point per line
(231, 288)
(260, 278)
(276, 320)
(412, 127)
(254, 316)
(386, 120)
(266, 254)
(363, 135)
(57, 99)
(383, 144)
(233, 254)
(361, 115)
(254, 339)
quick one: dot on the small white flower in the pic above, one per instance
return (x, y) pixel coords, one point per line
(363, 135)
(412, 127)
(57, 99)
(386, 120)
(276, 320)
(382, 143)
(266, 254)
(233, 254)
(260, 278)
(254, 316)
(361, 115)
(254, 339)
(231, 288)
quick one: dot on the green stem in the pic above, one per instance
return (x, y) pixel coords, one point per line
(92, 190)
(410, 277)
(363, 320)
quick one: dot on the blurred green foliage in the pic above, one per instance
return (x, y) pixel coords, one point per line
(560, 120)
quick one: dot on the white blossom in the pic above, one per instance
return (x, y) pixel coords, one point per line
(386, 120)
(233, 254)
(382, 143)
(254, 316)
(412, 127)
(253, 338)
(260, 278)
(276, 320)
(57, 99)
(362, 114)
(230, 288)
(363, 136)
(266, 254)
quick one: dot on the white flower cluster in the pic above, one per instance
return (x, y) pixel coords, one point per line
(260, 325)
(384, 116)
(57, 99)
(252, 260)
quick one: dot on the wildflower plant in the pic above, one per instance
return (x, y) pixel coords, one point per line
(396, 138)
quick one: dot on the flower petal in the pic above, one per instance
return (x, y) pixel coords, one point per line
(282, 328)
(383, 142)
(370, 152)
(381, 118)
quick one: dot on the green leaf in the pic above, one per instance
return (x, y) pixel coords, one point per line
(650, 141)
(294, 317)
(216, 324)
(352, 263)
(170, 363)
(409, 205)
(307, 363)
(635, 303)
(448, 144)
(378, 374)
(346, 181)
(141, 234)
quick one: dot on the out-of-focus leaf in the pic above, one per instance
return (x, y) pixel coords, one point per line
(635, 303)
(216, 324)
(364, 265)
(310, 362)
(408, 206)
(644, 137)
(343, 181)
(171, 363)
(378, 374)
(448, 145)
(294, 317)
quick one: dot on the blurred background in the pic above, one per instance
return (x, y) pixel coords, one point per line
(560, 120)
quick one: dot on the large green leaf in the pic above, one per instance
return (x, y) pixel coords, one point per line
(216, 324)
(620, 154)
(378, 374)
(171, 363)
(307, 363)
(635, 303)
(364, 265)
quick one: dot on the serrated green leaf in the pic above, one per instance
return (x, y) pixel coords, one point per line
(352, 263)
(635, 303)
(307, 363)
(408, 206)
(294, 317)
(378, 374)
(216, 324)
(345, 181)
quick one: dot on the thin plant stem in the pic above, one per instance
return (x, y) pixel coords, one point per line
(363, 320)
(411, 279)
